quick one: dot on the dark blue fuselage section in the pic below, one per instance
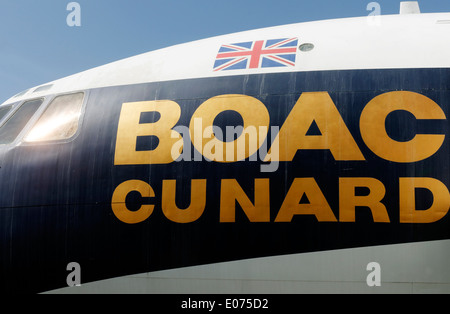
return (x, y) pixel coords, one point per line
(55, 198)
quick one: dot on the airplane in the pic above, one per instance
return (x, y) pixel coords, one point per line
(303, 158)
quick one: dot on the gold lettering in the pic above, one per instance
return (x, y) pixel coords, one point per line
(439, 208)
(129, 129)
(195, 209)
(231, 192)
(335, 136)
(317, 205)
(348, 201)
(254, 114)
(373, 130)
(119, 207)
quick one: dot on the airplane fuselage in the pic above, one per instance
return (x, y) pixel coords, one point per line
(319, 160)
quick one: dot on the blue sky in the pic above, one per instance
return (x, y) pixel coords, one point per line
(37, 45)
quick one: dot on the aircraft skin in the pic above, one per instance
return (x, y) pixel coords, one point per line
(351, 167)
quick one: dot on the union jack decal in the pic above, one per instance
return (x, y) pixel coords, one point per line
(257, 54)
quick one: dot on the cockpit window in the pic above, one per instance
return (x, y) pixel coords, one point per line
(4, 111)
(11, 128)
(60, 119)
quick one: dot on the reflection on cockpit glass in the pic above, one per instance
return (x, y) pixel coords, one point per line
(60, 119)
(11, 128)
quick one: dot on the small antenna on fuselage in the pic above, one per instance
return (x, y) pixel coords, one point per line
(409, 7)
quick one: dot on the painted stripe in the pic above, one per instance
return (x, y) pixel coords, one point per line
(234, 47)
(282, 43)
(256, 52)
(229, 64)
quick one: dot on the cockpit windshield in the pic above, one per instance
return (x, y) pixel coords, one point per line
(59, 121)
(14, 125)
